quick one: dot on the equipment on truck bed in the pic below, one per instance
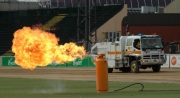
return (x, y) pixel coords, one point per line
(130, 53)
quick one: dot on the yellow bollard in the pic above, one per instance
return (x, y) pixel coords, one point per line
(101, 74)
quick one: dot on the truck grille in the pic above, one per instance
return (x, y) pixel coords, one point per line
(153, 56)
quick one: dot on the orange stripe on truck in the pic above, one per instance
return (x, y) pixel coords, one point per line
(117, 52)
(133, 52)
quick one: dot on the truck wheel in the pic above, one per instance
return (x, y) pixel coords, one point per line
(110, 70)
(134, 67)
(156, 68)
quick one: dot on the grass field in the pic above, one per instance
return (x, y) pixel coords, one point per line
(48, 88)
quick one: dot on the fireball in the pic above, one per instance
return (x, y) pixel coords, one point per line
(35, 47)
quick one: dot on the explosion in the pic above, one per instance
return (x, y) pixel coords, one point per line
(34, 47)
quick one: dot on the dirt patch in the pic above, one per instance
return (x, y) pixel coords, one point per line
(167, 75)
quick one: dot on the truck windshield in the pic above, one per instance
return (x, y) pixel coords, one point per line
(151, 43)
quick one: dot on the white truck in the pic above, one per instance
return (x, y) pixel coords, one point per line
(130, 53)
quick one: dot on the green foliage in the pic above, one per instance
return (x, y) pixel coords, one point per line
(48, 88)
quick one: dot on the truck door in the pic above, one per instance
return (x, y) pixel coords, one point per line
(133, 46)
(128, 46)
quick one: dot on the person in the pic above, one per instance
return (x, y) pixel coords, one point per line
(138, 44)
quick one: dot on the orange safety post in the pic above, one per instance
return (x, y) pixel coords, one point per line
(101, 74)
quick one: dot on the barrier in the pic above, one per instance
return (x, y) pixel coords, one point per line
(167, 61)
(8, 61)
(173, 60)
(85, 62)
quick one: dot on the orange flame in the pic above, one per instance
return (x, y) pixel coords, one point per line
(34, 47)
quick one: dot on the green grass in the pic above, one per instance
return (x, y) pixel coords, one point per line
(46, 88)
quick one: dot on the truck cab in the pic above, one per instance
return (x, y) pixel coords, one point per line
(146, 51)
